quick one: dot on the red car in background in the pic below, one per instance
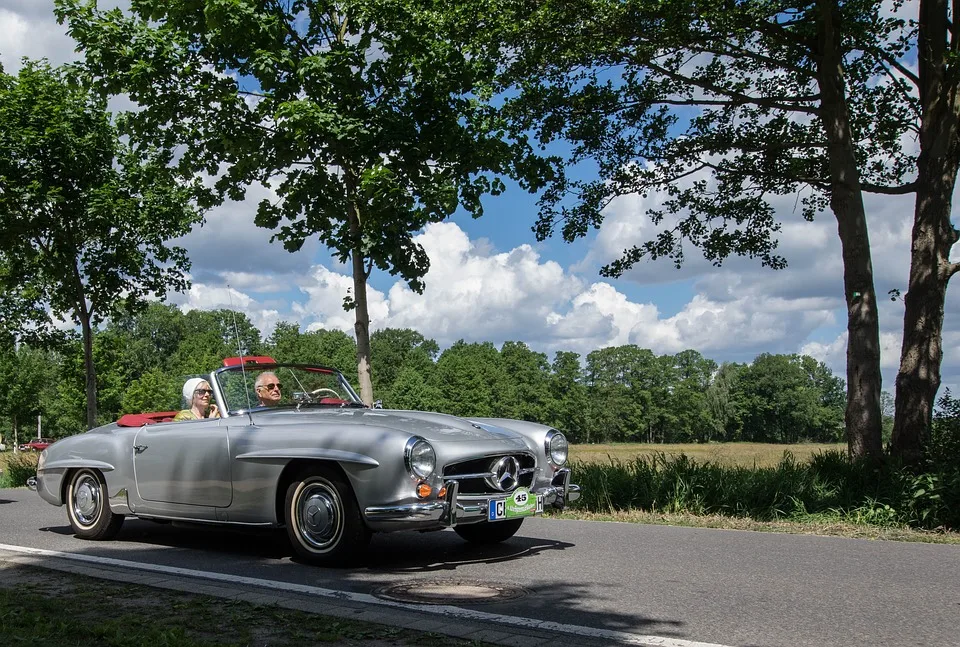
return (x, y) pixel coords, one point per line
(37, 445)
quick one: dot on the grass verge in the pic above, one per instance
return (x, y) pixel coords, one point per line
(40, 607)
(823, 525)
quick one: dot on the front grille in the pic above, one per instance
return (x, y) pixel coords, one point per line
(472, 473)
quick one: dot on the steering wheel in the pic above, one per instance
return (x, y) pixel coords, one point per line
(333, 394)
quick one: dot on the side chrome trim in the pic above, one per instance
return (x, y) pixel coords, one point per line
(309, 452)
(208, 522)
(70, 463)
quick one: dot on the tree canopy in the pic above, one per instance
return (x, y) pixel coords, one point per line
(85, 216)
(618, 394)
(366, 119)
(724, 105)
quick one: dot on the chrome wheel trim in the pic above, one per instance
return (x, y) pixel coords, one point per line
(318, 511)
(87, 499)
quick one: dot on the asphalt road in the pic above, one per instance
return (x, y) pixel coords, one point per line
(685, 584)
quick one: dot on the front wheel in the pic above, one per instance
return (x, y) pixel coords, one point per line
(323, 519)
(489, 532)
(88, 509)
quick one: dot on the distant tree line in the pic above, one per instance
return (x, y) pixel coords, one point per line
(615, 394)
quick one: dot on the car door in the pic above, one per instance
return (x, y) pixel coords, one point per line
(185, 463)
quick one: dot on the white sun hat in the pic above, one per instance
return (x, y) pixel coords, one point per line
(191, 386)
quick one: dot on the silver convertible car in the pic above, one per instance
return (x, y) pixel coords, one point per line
(315, 460)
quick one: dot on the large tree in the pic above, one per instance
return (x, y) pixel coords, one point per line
(366, 118)
(725, 105)
(937, 83)
(85, 217)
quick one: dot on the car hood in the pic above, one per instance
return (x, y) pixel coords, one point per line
(435, 427)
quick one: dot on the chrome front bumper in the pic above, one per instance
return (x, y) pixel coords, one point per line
(454, 509)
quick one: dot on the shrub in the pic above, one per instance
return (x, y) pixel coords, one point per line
(830, 484)
(20, 467)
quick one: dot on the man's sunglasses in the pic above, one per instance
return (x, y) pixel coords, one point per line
(271, 387)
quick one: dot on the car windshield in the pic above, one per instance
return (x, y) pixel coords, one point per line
(284, 385)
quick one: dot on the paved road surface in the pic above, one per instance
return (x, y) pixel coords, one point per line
(682, 584)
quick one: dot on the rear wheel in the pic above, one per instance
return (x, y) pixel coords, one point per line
(323, 519)
(88, 509)
(489, 532)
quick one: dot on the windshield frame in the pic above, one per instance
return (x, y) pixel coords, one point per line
(277, 368)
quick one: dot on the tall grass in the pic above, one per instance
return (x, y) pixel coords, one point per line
(18, 468)
(826, 484)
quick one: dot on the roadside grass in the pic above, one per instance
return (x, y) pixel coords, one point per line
(826, 487)
(727, 454)
(822, 525)
(40, 607)
(15, 469)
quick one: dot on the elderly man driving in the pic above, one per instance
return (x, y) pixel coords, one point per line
(267, 386)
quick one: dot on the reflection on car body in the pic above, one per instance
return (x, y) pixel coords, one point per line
(320, 463)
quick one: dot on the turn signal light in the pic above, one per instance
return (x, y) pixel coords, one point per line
(442, 493)
(424, 490)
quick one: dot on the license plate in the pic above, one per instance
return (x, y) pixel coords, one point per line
(519, 504)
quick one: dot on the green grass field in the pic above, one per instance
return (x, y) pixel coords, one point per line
(727, 454)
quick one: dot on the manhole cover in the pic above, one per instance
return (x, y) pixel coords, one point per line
(449, 592)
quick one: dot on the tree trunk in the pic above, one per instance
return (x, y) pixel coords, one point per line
(863, 418)
(921, 353)
(362, 321)
(362, 329)
(89, 368)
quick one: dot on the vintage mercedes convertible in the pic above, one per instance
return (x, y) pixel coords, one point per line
(316, 461)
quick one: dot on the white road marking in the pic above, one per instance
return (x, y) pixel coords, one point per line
(364, 598)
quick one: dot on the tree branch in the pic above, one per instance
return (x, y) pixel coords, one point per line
(903, 189)
(737, 97)
(304, 46)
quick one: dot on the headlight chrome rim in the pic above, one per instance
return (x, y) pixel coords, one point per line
(419, 457)
(556, 447)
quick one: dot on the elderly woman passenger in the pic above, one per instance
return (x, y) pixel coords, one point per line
(197, 395)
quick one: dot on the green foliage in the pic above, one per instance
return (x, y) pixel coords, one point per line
(369, 119)
(720, 104)
(619, 394)
(471, 380)
(19, 468)
(411, 390)
(830, 484)
(86, 215)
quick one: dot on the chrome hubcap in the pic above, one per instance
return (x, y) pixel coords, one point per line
(319, 515)
(86, 499)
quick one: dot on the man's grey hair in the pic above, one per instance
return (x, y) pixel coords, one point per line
(262, 378)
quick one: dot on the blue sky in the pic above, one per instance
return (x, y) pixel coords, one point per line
(492, 281)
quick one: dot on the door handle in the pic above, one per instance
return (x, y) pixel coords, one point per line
(139, 449)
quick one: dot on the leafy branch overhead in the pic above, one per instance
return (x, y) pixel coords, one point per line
(342, 108)
(717, 104)
(368, 120)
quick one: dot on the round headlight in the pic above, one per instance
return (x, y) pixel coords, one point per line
(557, 447)
(420, 457)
